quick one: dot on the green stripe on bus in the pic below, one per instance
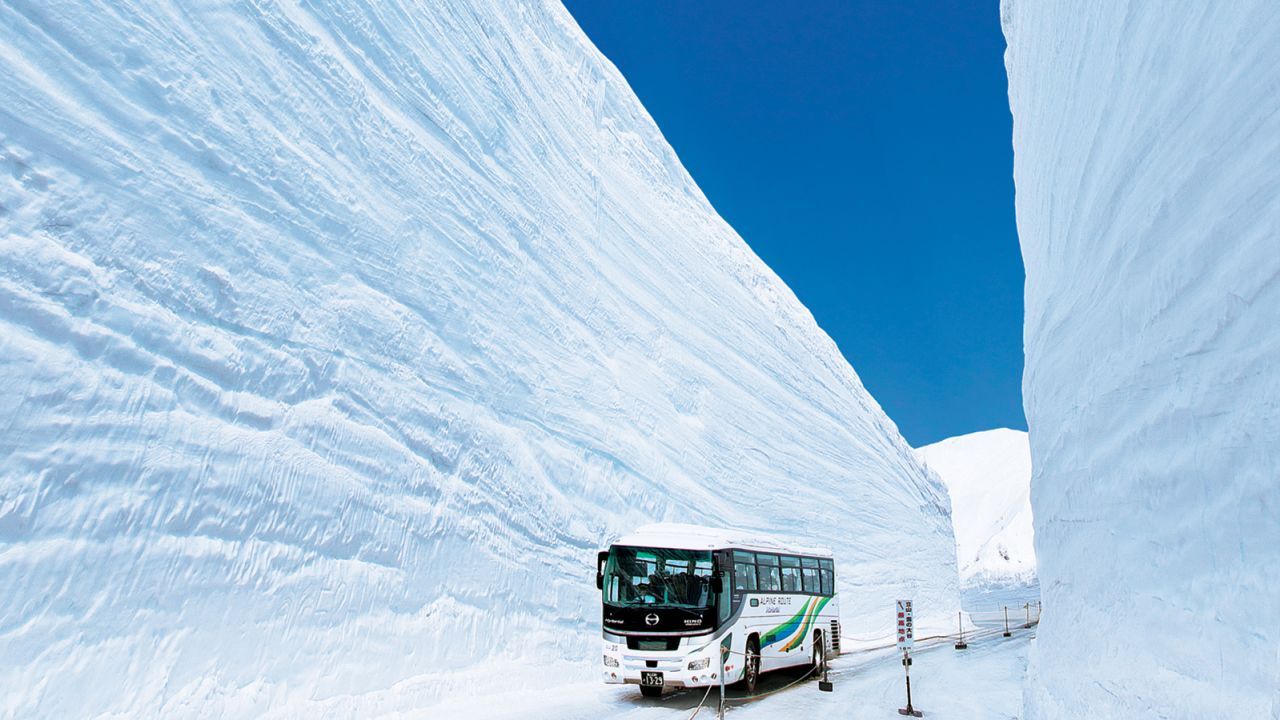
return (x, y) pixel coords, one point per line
(785, 629)
(813, 615)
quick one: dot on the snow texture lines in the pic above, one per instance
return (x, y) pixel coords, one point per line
(334, 339)
(1147, 165)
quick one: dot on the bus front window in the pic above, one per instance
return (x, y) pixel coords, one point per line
(636, 576)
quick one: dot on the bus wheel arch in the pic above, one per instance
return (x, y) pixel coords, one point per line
(751, 664)
(819, 652)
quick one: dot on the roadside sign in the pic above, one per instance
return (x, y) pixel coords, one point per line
(906, 638)
(906, 625)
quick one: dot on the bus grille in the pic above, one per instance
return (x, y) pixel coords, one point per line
(652, 643)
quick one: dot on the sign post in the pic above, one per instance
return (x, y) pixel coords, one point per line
(906, 639)
(725, 650)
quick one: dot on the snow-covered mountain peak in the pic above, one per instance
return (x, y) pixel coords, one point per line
(988, 475)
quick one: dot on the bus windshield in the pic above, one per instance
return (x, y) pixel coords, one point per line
(636, 576)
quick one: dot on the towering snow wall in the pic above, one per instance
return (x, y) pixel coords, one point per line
(334, 340)
(1147, 165)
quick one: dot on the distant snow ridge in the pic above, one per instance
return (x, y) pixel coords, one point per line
(335, 337)
(988, 475)
(1147, 163)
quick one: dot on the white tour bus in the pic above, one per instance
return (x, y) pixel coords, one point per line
(675, 595)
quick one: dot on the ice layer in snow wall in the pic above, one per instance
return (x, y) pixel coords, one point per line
(1147, 165)
(335, 338)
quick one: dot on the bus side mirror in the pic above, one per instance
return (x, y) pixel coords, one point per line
(601, 557)
(717, 583)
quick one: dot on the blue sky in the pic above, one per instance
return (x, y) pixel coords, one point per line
(863, 150)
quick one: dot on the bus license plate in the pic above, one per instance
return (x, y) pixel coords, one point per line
(651, 679)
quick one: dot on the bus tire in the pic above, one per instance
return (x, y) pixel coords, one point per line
(650, 691)
(819, 654)
(751, 665)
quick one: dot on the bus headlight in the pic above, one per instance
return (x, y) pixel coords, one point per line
(610, 661)
(702, 664)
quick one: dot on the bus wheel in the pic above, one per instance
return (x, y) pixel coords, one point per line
(819, 655)
(751, 671)
(650, 691)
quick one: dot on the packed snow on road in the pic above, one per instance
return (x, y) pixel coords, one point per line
(981, 682)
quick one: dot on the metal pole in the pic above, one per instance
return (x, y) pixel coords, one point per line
(1006, 621)
(961, 644)
(824, 682)
(909, 708)
(906, 665)
(1028, 608)
(720, 652)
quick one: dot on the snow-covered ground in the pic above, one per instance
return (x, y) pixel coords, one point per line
(1147, 165)
(988, 475)
(336, 337)
(983, 682)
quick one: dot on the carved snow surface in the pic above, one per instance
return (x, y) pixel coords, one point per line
(336, 337)
(1147, 164)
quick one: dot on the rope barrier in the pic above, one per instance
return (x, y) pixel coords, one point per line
(752, 698)
(926, 642)
(701, 702)
(844, 637)
(761, 696)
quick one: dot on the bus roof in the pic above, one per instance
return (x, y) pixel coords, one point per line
(696, 537)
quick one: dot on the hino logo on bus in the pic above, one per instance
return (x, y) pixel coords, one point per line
(651, 619)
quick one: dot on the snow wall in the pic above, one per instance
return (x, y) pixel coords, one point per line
(1147, 166)
(334, 341)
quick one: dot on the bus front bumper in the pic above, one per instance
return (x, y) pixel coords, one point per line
(625, 666)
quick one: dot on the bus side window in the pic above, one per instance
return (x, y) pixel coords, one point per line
(811, 584)
(828, 576)
(724, 607)
(767, 568)
(791, 574)
(791, 579)
(744, 572)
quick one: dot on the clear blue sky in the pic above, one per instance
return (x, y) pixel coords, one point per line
(862, 148)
